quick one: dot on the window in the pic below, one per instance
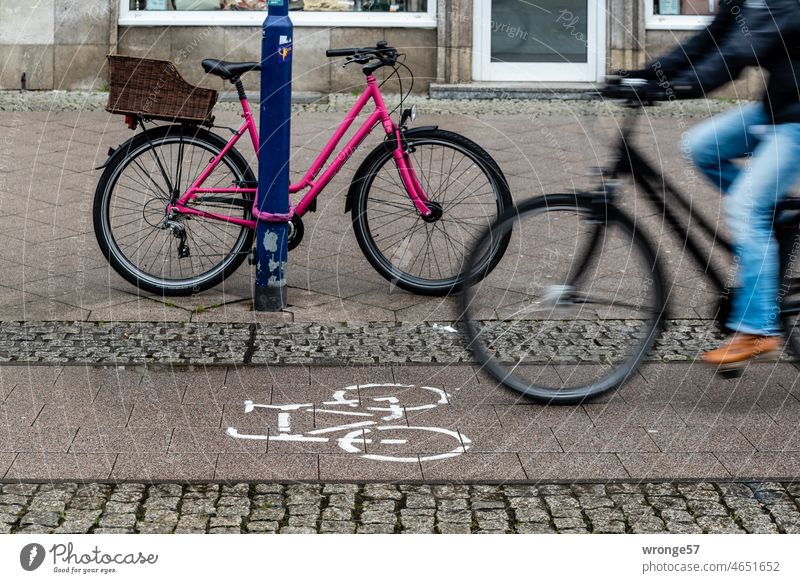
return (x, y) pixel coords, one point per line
(680, 14)
(383, 13)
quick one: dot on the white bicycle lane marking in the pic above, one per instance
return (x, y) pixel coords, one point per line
(382, 407)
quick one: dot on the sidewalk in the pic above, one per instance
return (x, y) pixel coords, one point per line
(406, 424)
(100, 385)
(53, 270)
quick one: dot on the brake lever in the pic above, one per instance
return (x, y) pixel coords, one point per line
(360, 59)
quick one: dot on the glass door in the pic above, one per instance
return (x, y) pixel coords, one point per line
(538, 40)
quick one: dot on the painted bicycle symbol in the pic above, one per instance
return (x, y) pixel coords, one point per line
(374, 429)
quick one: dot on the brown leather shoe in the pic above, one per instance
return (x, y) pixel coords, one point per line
(742, 347)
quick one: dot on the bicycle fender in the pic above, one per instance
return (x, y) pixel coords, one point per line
(221, 142)
(113, 151)
(377, 151)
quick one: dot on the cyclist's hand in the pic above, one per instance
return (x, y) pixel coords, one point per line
(616, 87)
(665, 91)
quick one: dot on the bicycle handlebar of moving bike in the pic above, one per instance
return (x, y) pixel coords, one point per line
(635, 92)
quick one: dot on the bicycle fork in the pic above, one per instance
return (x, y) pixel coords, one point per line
(429, 210)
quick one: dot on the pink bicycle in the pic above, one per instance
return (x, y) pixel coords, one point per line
(174, 209)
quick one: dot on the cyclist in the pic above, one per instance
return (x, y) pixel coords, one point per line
(745, 33)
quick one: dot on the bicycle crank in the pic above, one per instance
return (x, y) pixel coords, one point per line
(296, 231)
(559, 295)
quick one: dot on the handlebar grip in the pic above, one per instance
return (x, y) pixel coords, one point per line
(620, 88)
(340, 52)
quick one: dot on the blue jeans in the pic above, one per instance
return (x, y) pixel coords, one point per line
(752, 190)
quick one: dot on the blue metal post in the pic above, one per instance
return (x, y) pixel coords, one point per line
(273, 159)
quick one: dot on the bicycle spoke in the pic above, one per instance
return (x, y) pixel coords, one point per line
(532, 313)
(427, 255)
(137, 211)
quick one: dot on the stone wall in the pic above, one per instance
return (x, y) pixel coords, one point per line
(312, 70)
(62, 44)
(626, 34)
(57, 44)
(454, 37)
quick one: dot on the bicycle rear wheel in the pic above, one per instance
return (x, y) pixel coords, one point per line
(130, 222)
(575, 306)
(467, 192)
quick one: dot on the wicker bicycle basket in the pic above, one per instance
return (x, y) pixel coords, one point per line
(153, 89)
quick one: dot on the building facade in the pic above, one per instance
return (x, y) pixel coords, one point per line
(61, 44)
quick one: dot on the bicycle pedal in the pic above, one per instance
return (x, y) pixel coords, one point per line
(730, 372)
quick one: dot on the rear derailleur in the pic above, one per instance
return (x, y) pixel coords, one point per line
(179, 232)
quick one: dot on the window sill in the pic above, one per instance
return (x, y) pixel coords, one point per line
(243, 18)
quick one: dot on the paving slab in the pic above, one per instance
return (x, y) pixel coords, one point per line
(773, 438)
(344, 468)
(6, 459)
(286, 467)
(52, 467)
(121, 439)
(154, 467)
(605, 439)
(674, 466)
(549, 467)
(742, 466)
(259, 376)
(100, 414)
(701, 438)
(476, 467)
(484, 439)
(36, 439)
(634, 413)
(525, 414)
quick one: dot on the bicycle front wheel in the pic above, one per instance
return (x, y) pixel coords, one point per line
(575, 306)
(467, 191)
(184, 254)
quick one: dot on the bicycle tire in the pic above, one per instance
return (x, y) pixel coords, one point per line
(515, 322)
(134, 182)
(450, 237)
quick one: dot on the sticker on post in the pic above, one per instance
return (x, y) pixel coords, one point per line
(285, 51)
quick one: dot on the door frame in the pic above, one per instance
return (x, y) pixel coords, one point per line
(484, 70)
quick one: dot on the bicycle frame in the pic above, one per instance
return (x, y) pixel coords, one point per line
(659, 190)
(311, 180)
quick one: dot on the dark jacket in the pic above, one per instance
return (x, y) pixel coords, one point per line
(745, 33)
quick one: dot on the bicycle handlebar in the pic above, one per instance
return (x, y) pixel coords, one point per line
(341, 52)
(634, 90)
(380, 51)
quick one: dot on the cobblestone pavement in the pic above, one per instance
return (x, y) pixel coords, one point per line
(380, 508)
(286, 343)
